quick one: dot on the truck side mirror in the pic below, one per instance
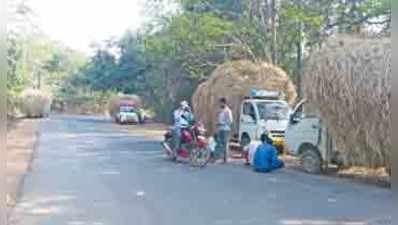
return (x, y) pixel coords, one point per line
(294, 118)
(253, 117)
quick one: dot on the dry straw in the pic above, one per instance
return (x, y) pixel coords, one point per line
(234, 80)
(349, 81)
(114, 102)
(35, 103)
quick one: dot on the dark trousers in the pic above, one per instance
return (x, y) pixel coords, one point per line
(177, 138)
(222, 148)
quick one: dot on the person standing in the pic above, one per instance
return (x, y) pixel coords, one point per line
(224, 126)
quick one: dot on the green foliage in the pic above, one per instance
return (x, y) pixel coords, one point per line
(191, 39)
(15, 79)
(168, 58)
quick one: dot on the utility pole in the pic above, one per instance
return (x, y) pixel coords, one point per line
(39, 80)
(36, 75)
(274, 35)
(299, 58)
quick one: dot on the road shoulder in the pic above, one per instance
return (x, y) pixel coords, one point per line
(22, 139)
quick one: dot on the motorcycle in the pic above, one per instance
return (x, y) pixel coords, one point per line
(194, 146)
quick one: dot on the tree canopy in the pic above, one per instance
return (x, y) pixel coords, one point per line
(185, 40)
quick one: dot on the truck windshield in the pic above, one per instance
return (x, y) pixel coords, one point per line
(127, 109)
(273, 110)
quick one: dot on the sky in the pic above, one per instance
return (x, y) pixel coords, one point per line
(78, 23)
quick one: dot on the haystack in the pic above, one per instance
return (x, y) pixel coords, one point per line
(234, 80)
(114, 102)
(348, 80)
(35, 103)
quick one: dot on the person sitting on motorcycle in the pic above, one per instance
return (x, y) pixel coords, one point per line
(182, 118)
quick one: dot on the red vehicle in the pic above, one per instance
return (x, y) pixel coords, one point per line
(194, 146)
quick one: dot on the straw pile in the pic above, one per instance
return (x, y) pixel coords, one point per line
(114, 102)
(234, 80)
(349, 81)
(35, 103)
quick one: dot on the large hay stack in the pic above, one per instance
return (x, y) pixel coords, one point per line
(114, 102)
(234, 80)
(35, 103)
(348, 80)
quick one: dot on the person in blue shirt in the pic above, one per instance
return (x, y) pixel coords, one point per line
(266, 157)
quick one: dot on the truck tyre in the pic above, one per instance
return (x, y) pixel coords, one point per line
(311, 161)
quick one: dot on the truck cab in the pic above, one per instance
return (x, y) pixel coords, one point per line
(259, 115)
(128, 113)
(308, 138)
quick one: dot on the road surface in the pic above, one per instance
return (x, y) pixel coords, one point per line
(88, 171)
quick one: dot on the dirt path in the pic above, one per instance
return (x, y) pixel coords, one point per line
(21, 139)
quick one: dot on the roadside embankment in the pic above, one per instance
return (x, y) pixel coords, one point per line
(22, 138)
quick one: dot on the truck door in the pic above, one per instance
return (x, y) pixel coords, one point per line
(248, 122)
(302, 129)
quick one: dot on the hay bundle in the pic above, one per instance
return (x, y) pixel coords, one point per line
(35, 103)
(114, 102)
(235, 80)
(349, 82)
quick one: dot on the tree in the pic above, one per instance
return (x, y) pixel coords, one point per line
(182, 44)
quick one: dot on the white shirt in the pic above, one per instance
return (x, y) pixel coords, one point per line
(212, 144)
(225, 119)
(252, 151)
(179, 121)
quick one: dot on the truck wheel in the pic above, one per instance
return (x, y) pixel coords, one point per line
(311, 161)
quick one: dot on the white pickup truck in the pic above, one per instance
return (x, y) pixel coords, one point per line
(308, 138)
(260, 114)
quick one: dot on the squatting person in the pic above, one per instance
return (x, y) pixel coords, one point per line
(266, 156)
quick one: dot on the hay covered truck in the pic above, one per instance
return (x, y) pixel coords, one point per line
(262, 111)
(253, 111)
(128, 113)
(308, 138)
(347, 83)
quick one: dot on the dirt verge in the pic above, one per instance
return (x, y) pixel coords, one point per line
(22, 136)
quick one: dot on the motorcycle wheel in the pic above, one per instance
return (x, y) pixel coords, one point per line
(169, 152)
(200, 157)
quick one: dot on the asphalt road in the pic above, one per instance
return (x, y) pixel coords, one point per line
(89, 171)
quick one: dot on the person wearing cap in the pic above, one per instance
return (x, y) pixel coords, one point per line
(266, 156)
(182, 116)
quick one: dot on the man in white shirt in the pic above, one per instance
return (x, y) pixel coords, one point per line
(224, 126)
